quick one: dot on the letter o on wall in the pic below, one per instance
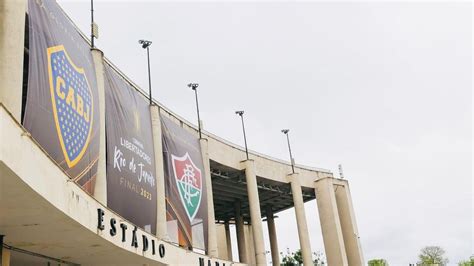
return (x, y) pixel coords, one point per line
(161, 250)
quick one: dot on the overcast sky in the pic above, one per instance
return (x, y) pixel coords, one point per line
(383, 88)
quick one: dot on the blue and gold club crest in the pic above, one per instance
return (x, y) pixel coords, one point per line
(73, 104)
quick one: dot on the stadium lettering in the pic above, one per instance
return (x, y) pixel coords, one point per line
(202, 262)
(72, 99)
(144, 243)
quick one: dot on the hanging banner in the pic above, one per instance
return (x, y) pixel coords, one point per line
(131, 181)
(62, 98)
(186, 198)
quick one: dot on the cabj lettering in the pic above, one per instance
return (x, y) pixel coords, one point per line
(72, 98)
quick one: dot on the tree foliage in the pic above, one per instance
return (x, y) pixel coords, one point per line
(318, 259)
(378, 262)
(296, 258)
(432, 255)
(288, 259)
(469, 262)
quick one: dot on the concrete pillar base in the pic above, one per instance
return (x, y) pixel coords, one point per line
(350, 232)
(273, 237)
(212, 236)
(252, 260)
(305, 244)
(330, 222)
(5, 259)
(239, 226)
(255, 214)
(228, 240)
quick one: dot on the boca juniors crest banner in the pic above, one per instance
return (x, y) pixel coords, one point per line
(131, 181)
(61, 100)
(186, 199)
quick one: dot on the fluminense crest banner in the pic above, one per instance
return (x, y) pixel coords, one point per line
(131, 180)
(62, 99)
(186, 200)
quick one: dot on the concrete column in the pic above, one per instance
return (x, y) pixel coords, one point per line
(4, 253)
(273, 236)
(252, 260)
(239, 226)
(100, 189)
(221, 241)
(212, 237)
(5, 258)
(330, 223)
(228, 240)
(301, 219)
(350, 232)
(12, 39)
(161, 229)
(255, 215)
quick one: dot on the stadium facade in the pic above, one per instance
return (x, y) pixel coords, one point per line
(91, 173)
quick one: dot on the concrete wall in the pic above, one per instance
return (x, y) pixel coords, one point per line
(12, 28)
(73, 207)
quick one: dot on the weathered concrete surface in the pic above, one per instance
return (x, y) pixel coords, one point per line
(12, 35)
(161, 229)
(330, 222)
(44, 212)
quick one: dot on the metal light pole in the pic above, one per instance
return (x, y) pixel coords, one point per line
(241, 114)
(341, 173)
(92, 23)
(146, 45)
(285, 131)
(194, 87)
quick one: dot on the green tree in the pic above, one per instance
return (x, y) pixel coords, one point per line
(378, 262)
(318, 259)
(432, 255)
(288, 259)
(469, 262)
(298, 256)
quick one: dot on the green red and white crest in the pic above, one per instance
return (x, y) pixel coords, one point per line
(189, 182)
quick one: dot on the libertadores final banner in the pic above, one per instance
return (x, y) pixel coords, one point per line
(131, 180)
(186, 198)
(61, 100)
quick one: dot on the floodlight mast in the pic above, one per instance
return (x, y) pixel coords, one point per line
(241, 114)
(92, 23)
(341, 173)
(286, 131)
(146, 45)
(194, 87)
